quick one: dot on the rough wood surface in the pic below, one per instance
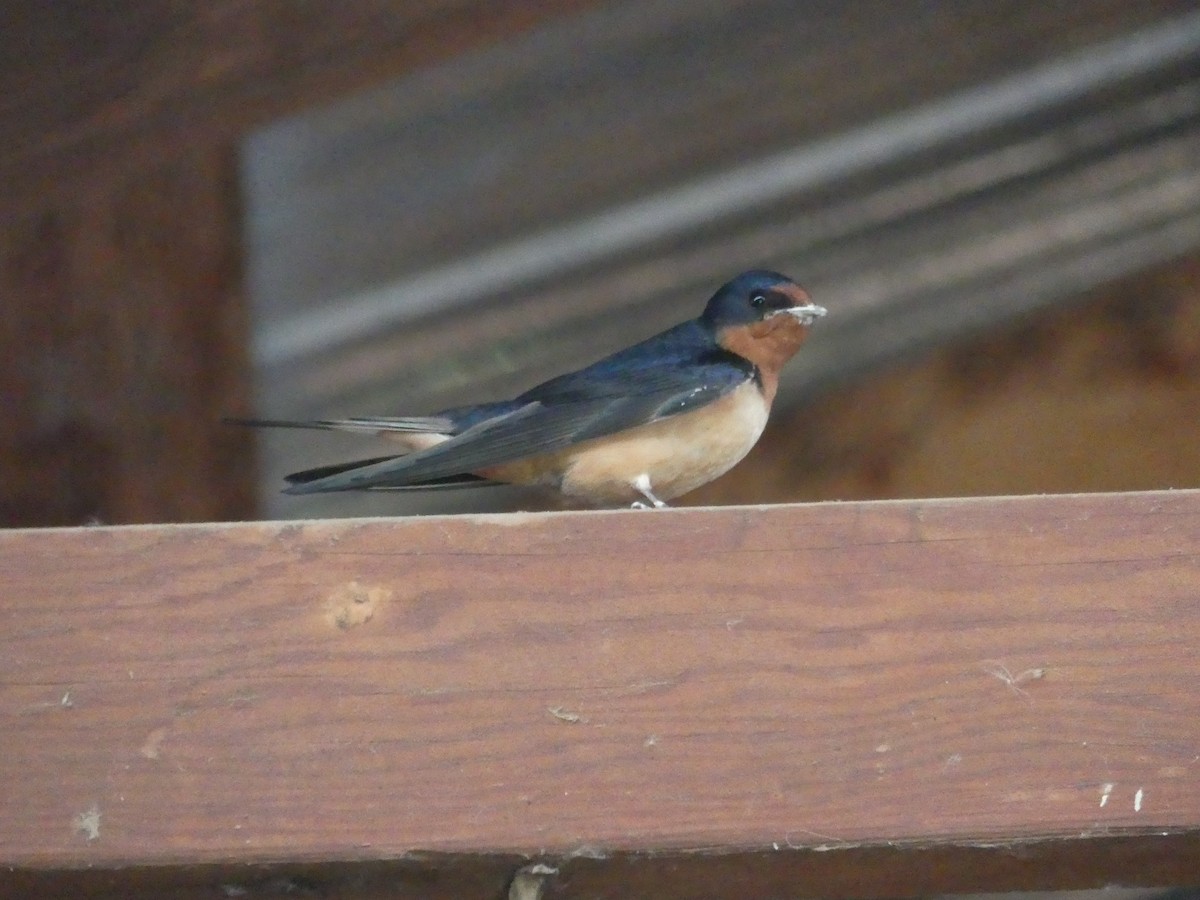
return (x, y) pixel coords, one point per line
(754, 681)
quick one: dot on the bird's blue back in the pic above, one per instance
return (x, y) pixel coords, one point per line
(685, 354)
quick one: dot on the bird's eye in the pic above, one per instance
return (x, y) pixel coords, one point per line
(758, 301)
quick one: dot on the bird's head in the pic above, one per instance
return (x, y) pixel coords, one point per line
(757, 296)
(763, 317)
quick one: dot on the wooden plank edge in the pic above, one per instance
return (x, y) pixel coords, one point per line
(520, 518)
(865, 872)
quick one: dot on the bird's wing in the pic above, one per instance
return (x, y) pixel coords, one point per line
(547, 420)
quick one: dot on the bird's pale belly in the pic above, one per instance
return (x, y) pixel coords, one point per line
(677, 454)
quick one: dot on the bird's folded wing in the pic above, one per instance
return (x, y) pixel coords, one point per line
(545, 426)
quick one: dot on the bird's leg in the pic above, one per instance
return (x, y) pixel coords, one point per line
(641, 484)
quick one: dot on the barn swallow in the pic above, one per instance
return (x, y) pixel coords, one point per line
(640, 427)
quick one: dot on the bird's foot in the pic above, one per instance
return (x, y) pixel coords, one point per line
(641, 484)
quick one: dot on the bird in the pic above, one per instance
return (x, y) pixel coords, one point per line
(638, 428)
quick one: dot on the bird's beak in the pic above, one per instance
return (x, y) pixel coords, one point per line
(806, 313)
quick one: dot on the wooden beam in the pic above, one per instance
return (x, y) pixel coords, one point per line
(99, 90)
(124, 341)
(124, 337)
(670, 700)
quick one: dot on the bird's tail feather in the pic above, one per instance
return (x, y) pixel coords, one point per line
(298, 480)
(361, 425)
(314, 474)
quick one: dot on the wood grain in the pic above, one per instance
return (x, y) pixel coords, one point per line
(754, 681)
